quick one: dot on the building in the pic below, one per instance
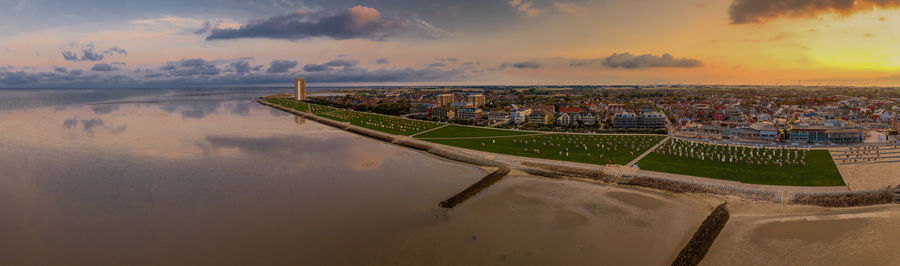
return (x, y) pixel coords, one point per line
(625, 120)
(734, 113)
(469, 113)
(647, 120)
(519, 116)
(497, 117)
(569, 110)
(564, 119)
(476, 99)
(420, 108)
(540, 117)
(844, 136)
(653, 120)
(457, 105)
(443, 112)
(300, 89)
(616, 108)
(444, 99)
(588, 119)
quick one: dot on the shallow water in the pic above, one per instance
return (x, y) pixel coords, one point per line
(202, 178)
(211, 177)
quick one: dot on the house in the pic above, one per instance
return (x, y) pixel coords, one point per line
(564, 119)
(497, 117)
(540, 117)
(469, 113)
(519, 116)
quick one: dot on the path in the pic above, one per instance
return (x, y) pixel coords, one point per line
(487, 137)
(413, 135)
(651, 149)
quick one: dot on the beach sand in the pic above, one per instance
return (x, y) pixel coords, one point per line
(770, 233)
(538, 221)
(872, 175)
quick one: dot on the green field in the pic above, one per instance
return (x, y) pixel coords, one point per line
(293, 104)
(455, 131)
(387, 124)
(603, 149)
(817, 169)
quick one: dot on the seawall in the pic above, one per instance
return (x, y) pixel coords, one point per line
(822, 196)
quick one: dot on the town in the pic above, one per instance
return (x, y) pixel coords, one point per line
(798, 116)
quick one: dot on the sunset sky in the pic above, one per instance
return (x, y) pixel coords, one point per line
(166, 43)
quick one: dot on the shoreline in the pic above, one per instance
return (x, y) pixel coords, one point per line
(833, 196)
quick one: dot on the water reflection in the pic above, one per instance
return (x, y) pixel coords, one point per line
(213, 178)
(202, 181)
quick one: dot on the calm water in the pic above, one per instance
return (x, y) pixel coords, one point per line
(200, 177)
(210, 177)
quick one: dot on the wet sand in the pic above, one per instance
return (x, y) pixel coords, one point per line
(527, 220)
(768, 234)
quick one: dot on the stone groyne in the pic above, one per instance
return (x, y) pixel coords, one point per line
(680, 186)
(571, 171)
(696, 249)
(482, 184)
(843, 199)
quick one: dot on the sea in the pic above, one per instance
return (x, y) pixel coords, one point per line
(209, 176)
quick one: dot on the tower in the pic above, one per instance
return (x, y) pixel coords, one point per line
(300, 87)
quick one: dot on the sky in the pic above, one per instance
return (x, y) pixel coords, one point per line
(208, 43)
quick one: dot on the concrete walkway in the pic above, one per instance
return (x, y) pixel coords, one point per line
(647, 152)
(433, 129)
(491, 137)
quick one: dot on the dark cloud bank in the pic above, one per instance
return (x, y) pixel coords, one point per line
(198, 72)
(756, 11)
(358, 22)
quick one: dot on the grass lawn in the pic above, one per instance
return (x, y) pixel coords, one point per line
(456, 131)
(603, 149)
(387, 124)
(293, 104)
(819, 170)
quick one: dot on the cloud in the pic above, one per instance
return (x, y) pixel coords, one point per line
(103, 67)
(437, 65)
(358, 22)
(89, 125)
(190, 67)
(59, 69)
(89, 54)
(70, 123)
(571, 9)
(628, 60)
(759, 11)
(240, 67)
(341, 63)
(281, 66)
(70, 56)
(522, 65)
(382, 61)
(198, 72)
(104, 109)
(525, 7)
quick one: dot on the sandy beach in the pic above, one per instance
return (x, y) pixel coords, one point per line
(538, 221)
(770, 234)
